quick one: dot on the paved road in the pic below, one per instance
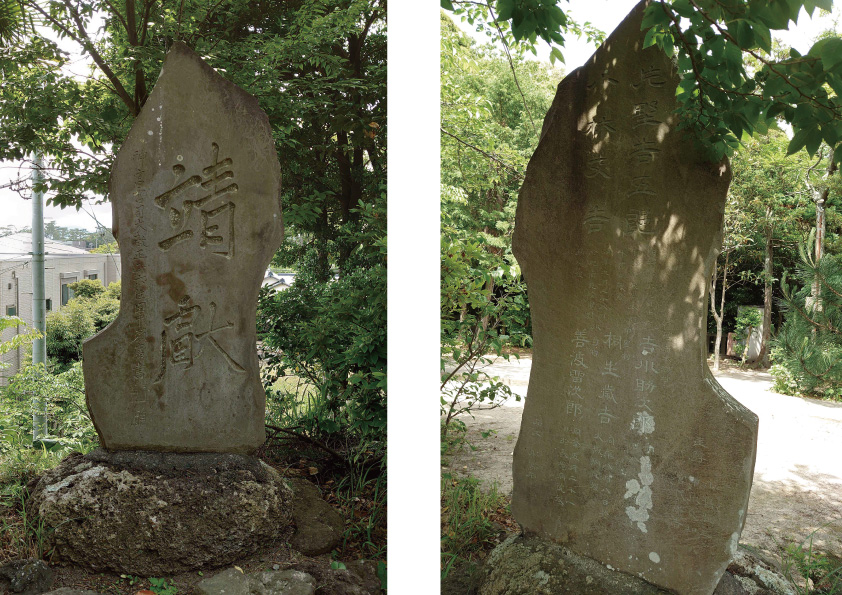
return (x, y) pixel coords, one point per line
(797, 485)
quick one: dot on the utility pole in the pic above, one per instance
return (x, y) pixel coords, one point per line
(39, 305)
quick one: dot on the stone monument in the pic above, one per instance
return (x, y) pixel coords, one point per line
(195, 191)
(630, 453)
(173, 384)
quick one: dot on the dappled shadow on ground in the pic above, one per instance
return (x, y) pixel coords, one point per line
(791, 510)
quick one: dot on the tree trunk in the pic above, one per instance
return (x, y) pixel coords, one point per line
(821, 199)
(763, 356)
(718, 317)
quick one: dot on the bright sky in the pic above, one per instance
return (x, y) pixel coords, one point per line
(17, 211)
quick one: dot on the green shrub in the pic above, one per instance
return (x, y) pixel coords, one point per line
(67, 413)
(87, 288)
(80, 318)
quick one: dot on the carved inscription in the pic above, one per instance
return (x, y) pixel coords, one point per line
(215, 225)
(137, 325)
(182, 340)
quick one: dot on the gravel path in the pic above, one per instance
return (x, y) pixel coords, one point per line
(797, 486)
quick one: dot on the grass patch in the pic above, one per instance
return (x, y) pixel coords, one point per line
(471, 521)
(811, 572)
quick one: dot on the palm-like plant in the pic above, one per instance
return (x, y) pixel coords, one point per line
(13, 21)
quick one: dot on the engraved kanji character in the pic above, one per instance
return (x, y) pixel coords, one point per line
(575, 392)
(213, 180)
(581, 338)
(639, 221)
(610, 369)
(605, 416)
(579, 360)
(612, 340)
(576, 375)
(651, 76)
(599, 125)
(643, 423)
(574, 409)
(608, 393)
(647, 344)
(646, 366)
(641, 185)
(644, 386)
(645, 151)
(596, 167)
(642, 114)
(182, 344)
(644, 403)
(595, 218)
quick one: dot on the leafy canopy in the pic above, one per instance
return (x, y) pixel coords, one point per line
(731, 81)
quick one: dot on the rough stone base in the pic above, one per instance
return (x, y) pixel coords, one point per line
(153, 514)
(525, 565)
(534, 566)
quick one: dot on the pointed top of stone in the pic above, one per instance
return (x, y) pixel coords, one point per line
(196, 199)
(629, 452)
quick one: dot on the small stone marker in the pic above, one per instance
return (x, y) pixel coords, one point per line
(629, 451)
(196, 202)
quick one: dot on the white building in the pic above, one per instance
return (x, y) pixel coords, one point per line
(277, 281)
(63, 265)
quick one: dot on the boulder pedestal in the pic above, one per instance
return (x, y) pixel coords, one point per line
(153, 514)
(524, 565)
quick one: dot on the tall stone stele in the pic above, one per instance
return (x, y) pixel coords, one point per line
(629, 452)
(196, 199)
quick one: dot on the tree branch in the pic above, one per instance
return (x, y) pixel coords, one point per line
(489, 155)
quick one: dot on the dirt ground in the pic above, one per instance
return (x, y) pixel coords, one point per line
(797, 486)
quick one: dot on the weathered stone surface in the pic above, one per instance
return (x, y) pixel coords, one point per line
(27, 577)
(535, 566)
(629, 451)
(318, 527)
(234, 582)
(729, 585)
(758, 575)
(366, 570)
(195, 191)
(335, 581)
(153, 523)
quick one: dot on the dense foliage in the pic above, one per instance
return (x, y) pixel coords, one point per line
(488, 134)
(809, 344)
(731, 82)
(91, 310)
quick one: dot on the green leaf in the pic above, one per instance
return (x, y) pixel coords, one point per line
(798, 141)
(557, 15)
(505, 9)
(824, 4)
(764, 36)
(814, 141)
(831, 52)
(447, 5)
(650, 38)
(556, 55)
(745, 35)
